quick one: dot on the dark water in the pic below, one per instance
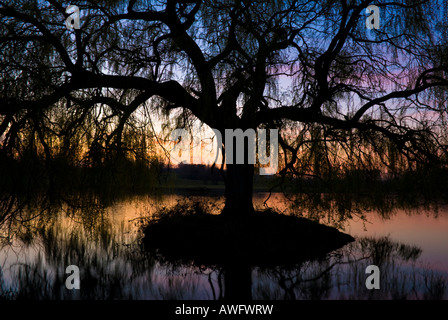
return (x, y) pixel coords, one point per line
(409, 247)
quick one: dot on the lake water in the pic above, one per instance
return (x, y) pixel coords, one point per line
(409, 247)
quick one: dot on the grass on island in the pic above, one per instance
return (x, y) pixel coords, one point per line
(187, 233)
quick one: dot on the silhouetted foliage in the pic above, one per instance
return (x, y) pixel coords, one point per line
(344, 98)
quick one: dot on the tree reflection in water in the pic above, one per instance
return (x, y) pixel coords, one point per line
(342, 275)
(40, 239)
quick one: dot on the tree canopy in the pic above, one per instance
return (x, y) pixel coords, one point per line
(339, 91)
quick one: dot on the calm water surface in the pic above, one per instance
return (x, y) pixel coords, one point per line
(410, 248)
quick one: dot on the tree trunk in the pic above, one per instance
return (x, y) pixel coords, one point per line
(239, 189)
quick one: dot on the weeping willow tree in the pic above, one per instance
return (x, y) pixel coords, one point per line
(339, 92)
